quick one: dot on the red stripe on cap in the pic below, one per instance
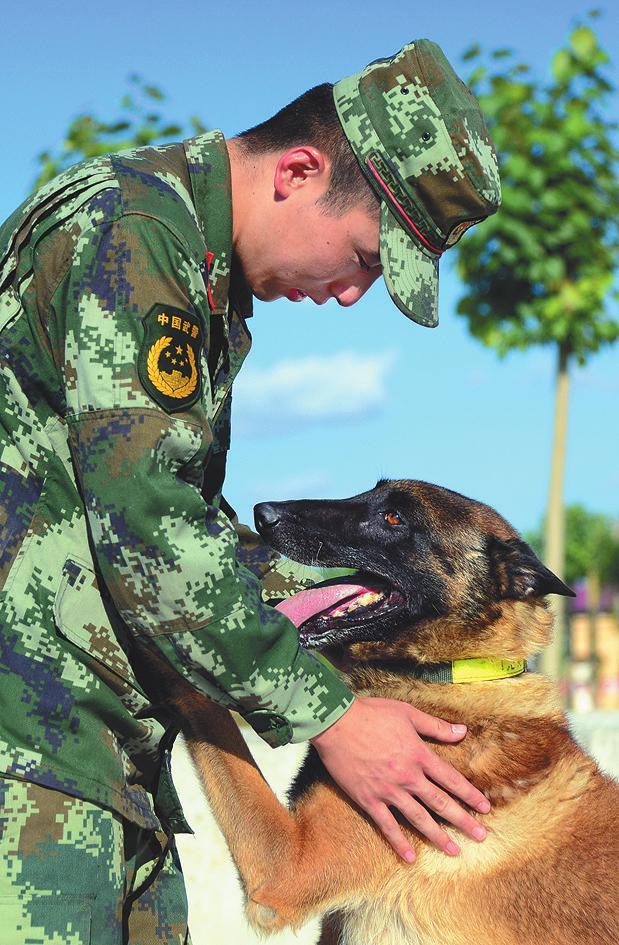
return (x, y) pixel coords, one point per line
(396, 203)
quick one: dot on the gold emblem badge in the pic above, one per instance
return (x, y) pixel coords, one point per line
(169, 361)
(172, 383)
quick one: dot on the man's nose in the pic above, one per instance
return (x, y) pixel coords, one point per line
(350, 293)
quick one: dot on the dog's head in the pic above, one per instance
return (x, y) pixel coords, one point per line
(439, 574)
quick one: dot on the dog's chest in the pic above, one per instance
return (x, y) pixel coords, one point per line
(379, 925)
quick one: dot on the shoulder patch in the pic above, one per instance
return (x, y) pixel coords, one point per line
(169, 359)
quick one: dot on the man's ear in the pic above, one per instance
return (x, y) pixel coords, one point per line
(296, 167)
(519, 572)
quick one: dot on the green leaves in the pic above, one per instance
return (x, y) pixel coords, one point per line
(472, 52)
(540, 271)
(584, 42)
(581, 56)
(141, 123)
(591, 545)
(561, 65)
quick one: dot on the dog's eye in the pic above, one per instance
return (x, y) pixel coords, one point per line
(393, 518)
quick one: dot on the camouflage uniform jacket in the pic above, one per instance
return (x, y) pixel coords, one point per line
(112, 525)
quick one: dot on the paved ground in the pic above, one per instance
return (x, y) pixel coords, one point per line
(216, 910)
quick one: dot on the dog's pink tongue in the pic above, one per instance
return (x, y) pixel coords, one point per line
(300, 607)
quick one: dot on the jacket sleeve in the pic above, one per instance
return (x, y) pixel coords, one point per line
(167, 557)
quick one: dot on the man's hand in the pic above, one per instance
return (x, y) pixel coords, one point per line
(375, 754)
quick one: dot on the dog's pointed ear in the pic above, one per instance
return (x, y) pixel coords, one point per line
(519, 572)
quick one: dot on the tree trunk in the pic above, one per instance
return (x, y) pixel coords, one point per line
(552, 661)
(594, 593)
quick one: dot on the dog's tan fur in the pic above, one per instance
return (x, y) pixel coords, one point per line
(546, 874)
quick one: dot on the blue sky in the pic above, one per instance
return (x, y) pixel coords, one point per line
(330, 399)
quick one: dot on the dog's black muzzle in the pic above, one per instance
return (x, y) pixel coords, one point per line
(266, 516)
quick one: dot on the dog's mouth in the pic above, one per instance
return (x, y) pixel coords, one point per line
(336, 610)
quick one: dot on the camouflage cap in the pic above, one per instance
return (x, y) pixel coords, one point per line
(422, 144)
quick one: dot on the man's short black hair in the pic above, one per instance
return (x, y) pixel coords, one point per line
(312, 119)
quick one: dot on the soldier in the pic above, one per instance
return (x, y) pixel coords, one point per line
(125, 286)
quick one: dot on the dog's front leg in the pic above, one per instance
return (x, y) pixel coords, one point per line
(293, 864)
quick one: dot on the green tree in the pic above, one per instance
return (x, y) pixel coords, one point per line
(540, 272)
(591, 545)
(139, 122)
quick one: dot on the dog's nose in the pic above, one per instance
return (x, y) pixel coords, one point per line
(265, 516)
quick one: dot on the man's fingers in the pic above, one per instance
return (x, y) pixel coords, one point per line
(386, 767)
(390, 829)
(419, 818)
(438, 729)
(444, 774)
(449, 810)
(441, 771)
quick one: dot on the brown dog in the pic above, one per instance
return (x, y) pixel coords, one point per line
(446, 579)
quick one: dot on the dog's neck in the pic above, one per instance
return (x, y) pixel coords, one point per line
(403, 668)
(518, 722)
(516, 728)
(509, 630)
(453, 672)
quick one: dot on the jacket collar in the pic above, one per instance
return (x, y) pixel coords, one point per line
(211, 186)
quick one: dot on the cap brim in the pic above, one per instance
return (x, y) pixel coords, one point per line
(410, 275)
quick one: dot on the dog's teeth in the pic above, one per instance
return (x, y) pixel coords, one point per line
(370, 597)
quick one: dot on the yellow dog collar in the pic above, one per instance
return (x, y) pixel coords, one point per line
(471, 670)
(478, 670)
(456, 671)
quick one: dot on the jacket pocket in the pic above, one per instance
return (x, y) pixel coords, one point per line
(82, 619)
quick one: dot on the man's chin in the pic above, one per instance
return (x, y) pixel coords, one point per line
(271, 294)
(264, 294)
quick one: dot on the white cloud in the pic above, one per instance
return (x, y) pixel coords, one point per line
(295, 392)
